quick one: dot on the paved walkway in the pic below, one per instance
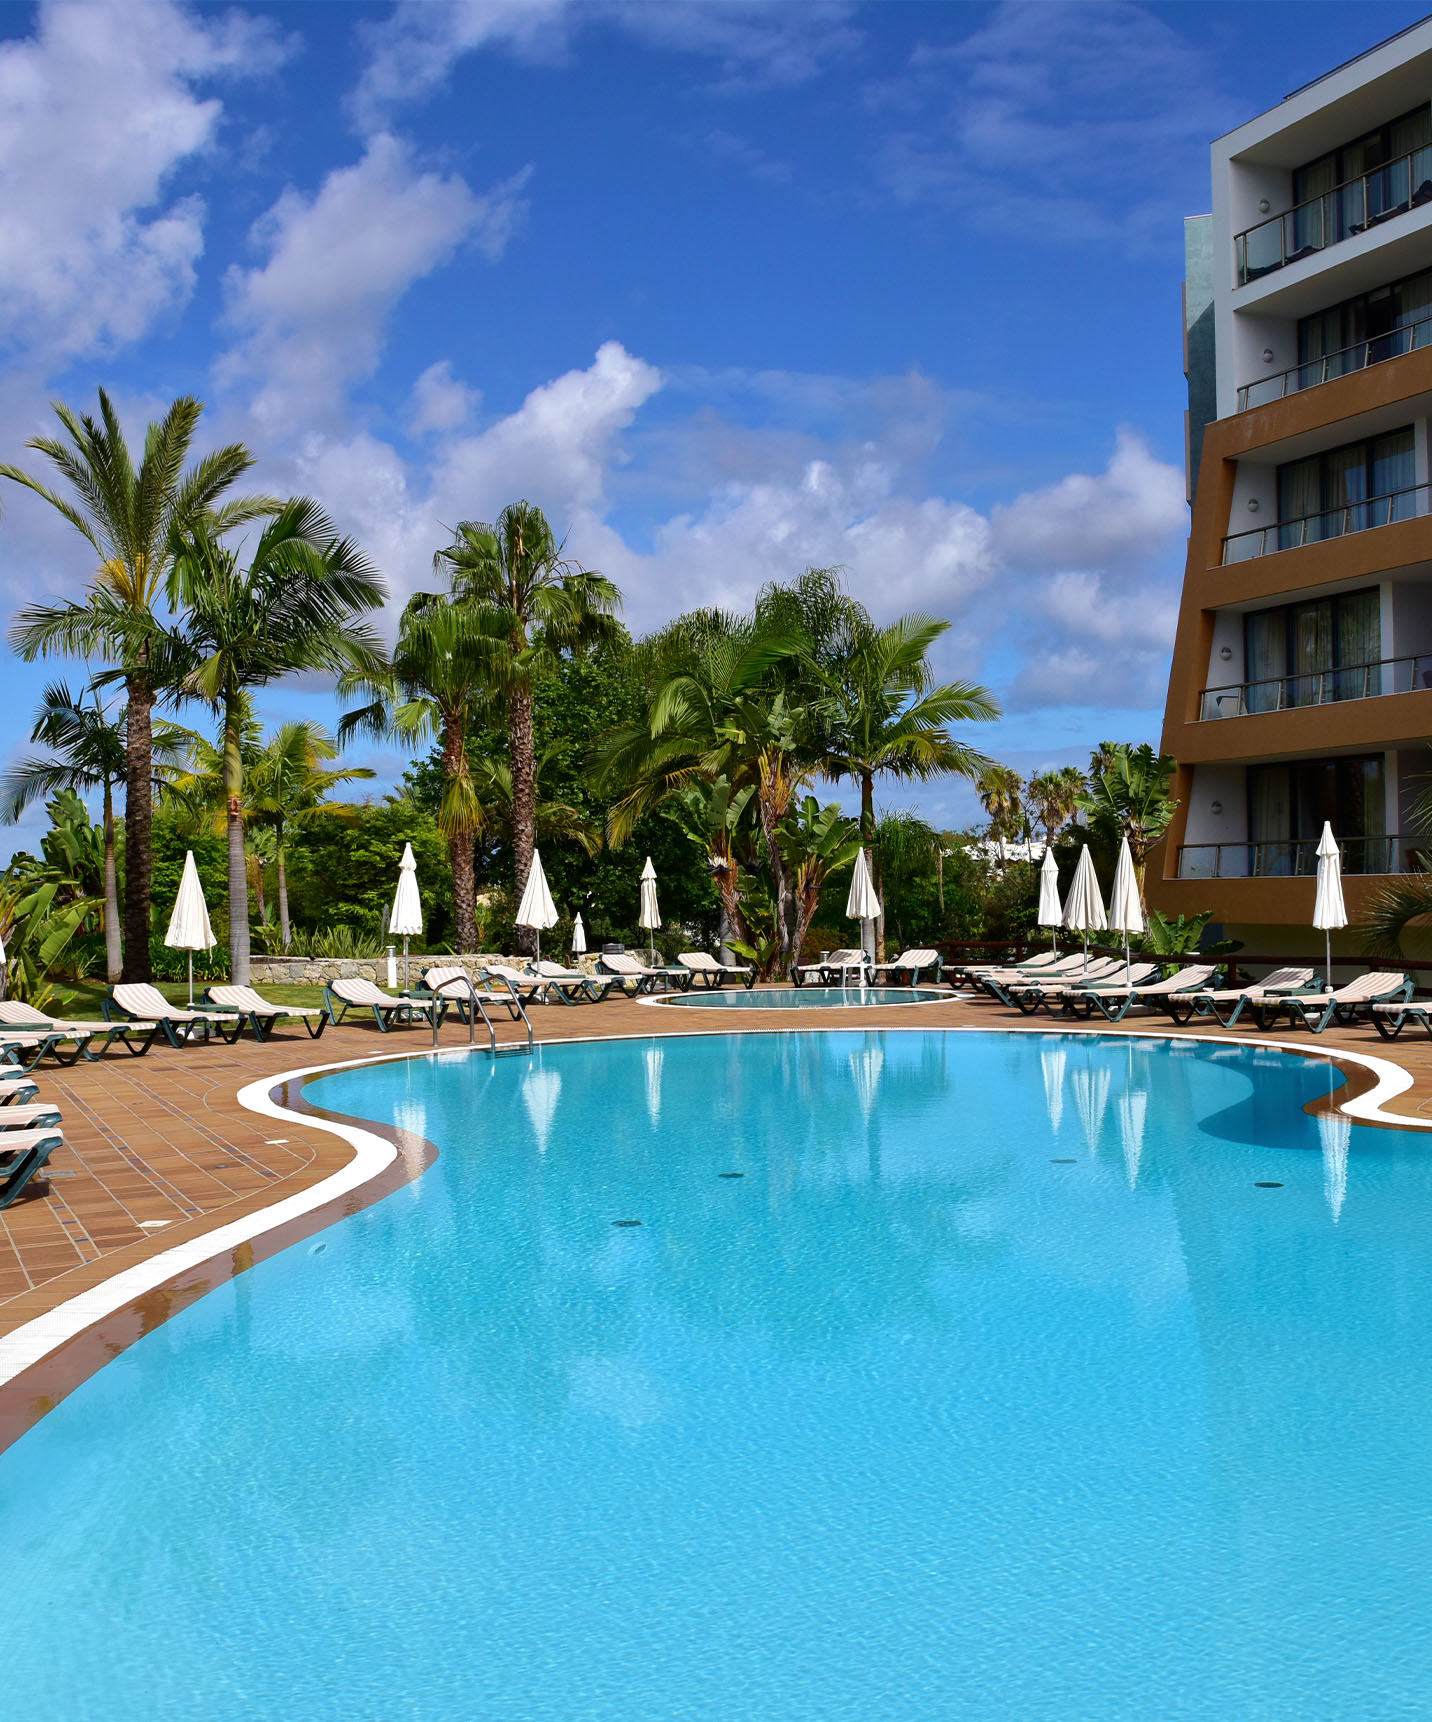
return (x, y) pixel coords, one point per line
(158, 1150)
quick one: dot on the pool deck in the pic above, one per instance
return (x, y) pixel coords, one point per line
(158, 1150)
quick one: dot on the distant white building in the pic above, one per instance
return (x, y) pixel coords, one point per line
(1000, 853)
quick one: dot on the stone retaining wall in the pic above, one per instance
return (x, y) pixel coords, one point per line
(315, 971)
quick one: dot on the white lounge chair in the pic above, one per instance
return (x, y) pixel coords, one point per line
(262, 1016)
(637, 977)
(705, 968)
(574, 986)
(834, 970)
(142, 1003)
(1116, 1001)
(1227, 1004)
(137, 1037)
(358, 994)
(910, 963)
(23, 1153)
(1316, 1010)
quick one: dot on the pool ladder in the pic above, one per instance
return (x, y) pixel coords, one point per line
(476, 1008)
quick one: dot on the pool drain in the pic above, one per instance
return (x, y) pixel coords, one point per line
(1062, 1162)
(730, 1174)
(1265, 1184)
(626, 1222)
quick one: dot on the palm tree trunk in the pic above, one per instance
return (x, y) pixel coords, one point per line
(523, 748)
(283, 928)
(238, 870)
(464, 886)
(113, 960)
(138, 826)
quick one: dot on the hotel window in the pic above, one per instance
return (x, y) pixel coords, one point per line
(1313, 653)
(1287, 805)
(1365, 181)
(1363, 331)
(1347, 489)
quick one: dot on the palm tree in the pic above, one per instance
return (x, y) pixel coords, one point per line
(288, 782)
(1054, 796)
(438, 681)
(295, 607)
(532, 603)
(88, 751)
(284, 785)
(1001, 789)
(1128, 793)
(128, 516)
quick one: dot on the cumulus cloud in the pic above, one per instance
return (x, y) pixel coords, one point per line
(97, 111)
(439, 401)
(311, 317)
(755, 43)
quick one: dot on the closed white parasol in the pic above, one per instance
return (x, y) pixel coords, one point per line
(537, 910)
(1084, 906)
(650, 913)
(1051, 911)
(863, 905)
(406, 915)
(1328, 908)
(189, 928)
(579, 937)
(1126, 912)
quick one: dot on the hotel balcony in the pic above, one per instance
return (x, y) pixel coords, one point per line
(1393, 344)
(1317, 688)
(1333, 216)
(1285, 859)
(1294, 534)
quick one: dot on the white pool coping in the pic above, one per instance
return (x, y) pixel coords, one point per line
(373, 1154)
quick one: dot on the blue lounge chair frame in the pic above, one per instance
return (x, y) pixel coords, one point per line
(19, 1165)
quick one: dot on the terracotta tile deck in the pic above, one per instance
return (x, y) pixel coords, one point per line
(158, 1150)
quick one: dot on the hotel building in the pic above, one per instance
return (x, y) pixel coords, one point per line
(1301, 687)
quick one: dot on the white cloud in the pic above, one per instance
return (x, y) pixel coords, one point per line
(755, 43)
(1072, 123)
(1086, 520)
(439, 401)
(97, 111)
(312, 316)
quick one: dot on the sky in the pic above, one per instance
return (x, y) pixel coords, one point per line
(729, 288)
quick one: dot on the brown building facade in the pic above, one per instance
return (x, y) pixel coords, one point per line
(1301, 686)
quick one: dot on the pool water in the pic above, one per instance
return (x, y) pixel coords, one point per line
(806, 998)
(995, 1387)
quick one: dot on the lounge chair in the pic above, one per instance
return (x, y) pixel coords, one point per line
(1065, 967)
(16, 1084)
(37, 1116)
(345, 995)
(1316, 1010)
(135, 1037)
(451, 987)
(527, 988)
(636, 977)
(574, 986)
(1067, 995)
(22, 1154)
(142, 1003)
(909, 963)
(1229, 1003)
(1037, 964)
(1087, 973)
(24, 1048)
(705, 967)
(833, 971)
(1390, 1017)
(263, 1017)
(1115, 1002)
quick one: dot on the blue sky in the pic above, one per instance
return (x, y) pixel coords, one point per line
(727, 288)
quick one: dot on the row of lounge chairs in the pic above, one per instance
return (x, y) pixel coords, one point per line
(852, 967)
(1079, 986)
(29, 1133)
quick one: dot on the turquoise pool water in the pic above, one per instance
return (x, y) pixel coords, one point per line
(995, 1388)
(806, 998)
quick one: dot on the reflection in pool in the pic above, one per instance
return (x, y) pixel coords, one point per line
(997, 1387)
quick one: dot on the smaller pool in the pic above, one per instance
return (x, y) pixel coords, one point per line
(807, 998)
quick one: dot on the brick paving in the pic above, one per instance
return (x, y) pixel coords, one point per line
(158, 1150)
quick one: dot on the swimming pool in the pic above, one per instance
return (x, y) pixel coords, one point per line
(996, 1386)
(805, 998)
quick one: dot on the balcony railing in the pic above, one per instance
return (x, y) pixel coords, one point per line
(1331, 523)
(1334, 215)
(1299, 858)
(1358, 357)
(1317, 688)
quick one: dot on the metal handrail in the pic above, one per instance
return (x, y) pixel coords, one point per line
(1277, 385)
(479, 1009)
(1282, 858)
(1316, 688)
(1354, 517)
(1418, 190)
